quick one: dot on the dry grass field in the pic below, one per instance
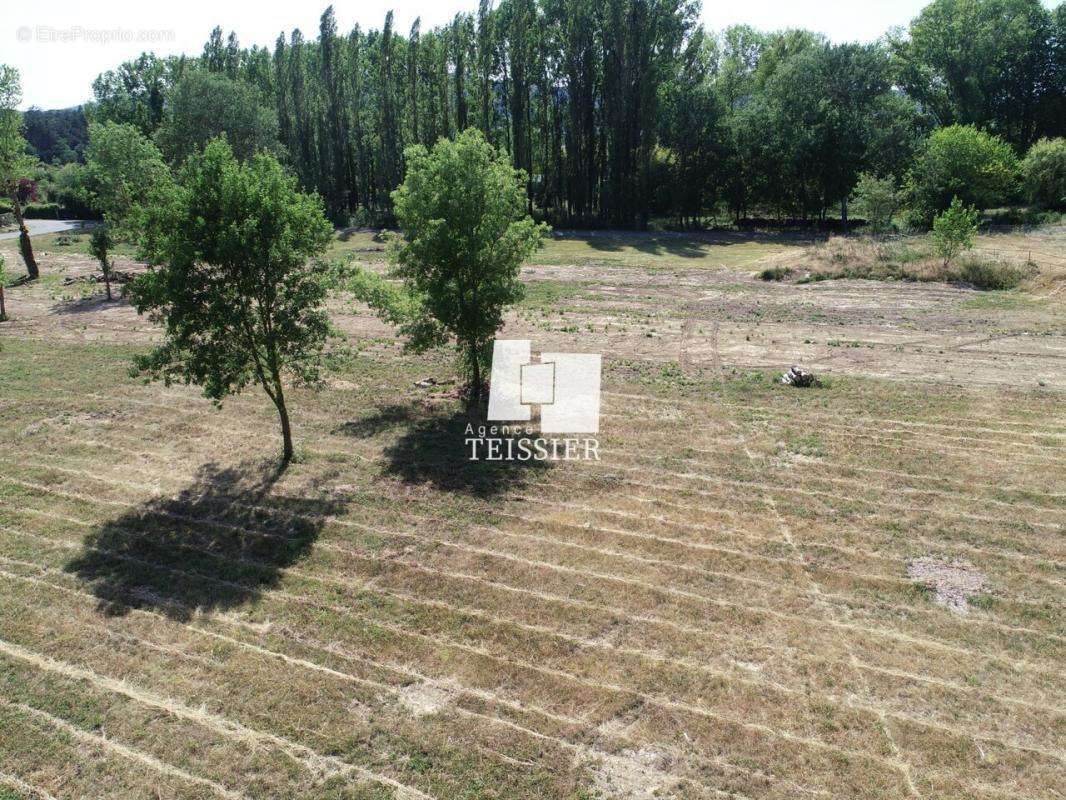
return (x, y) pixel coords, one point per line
(852, 591)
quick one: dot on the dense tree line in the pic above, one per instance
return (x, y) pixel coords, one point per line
(56, 137)
(616, 110)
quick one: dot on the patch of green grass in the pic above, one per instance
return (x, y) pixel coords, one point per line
(365, 245)
(660, 251)
(806, 445)
(549, 294)
(76, 242)
(997, 301)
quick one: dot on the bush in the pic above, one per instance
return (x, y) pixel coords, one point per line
(775, 273)
(955, 230)
(1028, 216)
(876, 199)
(41, 211)
(961, 161)
(1044, 174)
(71, 189)
(992, 275)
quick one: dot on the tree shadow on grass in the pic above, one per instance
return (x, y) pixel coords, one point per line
(385, 418)
(89, 304)
(432, 450)
(216, 545)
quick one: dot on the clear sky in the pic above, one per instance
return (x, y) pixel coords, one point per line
(59, 46)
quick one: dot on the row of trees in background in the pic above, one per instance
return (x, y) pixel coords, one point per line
(618, 110)
(232, 244)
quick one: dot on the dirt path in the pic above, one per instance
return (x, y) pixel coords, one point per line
(38, 227)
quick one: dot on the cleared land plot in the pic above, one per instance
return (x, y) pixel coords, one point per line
(723, 606)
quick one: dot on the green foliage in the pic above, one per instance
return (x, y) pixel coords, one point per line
(100, 244)
(989, 275)
(954, 230)
(134, 93)
(124, 170)
(41, 211)
(462, 210)
(876, 199)
(57, 136)
(961, 161)
(70, 188)
(17, 166)
(987, 63)
(16, 163)
(825, 114)
(237, 296)
(1044, 174)
(776, 273)
(204, 105)
(620, 112)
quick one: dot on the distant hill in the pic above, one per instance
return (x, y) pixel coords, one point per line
(58, 136)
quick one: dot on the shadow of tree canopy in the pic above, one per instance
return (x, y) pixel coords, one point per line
(695, 244)
(214, 546)
(385, 418)
(432, 450)
(87, 305)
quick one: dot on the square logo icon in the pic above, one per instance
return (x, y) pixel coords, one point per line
(566, 387)
(538, 384)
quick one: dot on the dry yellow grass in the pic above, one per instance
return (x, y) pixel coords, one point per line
(720, 607)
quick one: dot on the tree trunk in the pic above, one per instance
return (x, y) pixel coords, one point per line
(475, 374)
(24, 240)
(107, 280)
(3, 308)
(283, 416)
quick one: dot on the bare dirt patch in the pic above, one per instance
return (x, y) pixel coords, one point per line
(953, 583)
(424, 699)
(635, 774)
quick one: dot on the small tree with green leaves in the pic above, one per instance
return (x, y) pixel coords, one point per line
(955, 230)
(877, 199)
(16, 164)
(124, 169)
(1044, 174)
(235, 288)
(961, 161)
(462, 211)
(100, 245)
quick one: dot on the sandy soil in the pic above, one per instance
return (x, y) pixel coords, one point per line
(701, 318)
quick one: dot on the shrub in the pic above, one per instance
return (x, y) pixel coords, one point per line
(775, 273)
(984, 274)
(41, 211)
(955, 230)
(1044, 174)
(961, 161)
(876, 199)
